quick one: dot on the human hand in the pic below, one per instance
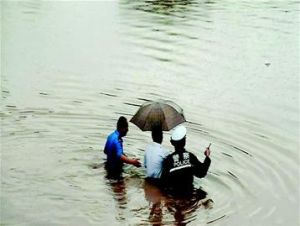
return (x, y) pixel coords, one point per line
(136, 162)
(207, 151)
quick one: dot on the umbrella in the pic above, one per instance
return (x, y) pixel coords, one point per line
(162, 113)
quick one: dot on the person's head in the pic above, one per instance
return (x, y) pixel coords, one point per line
(122, 126)
(157, 134)
(178, 137)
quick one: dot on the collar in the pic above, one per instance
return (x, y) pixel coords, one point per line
(180, 151)
(118, 134)
(156, 144)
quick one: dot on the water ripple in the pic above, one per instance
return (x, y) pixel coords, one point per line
(225, 64)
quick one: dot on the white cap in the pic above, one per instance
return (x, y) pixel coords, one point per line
(178, 133)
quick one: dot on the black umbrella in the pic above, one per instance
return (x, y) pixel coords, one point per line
(163, 113)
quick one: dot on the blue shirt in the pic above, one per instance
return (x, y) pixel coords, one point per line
(114, 150)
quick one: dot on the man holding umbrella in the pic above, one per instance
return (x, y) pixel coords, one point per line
(154, 156)
(157, 116)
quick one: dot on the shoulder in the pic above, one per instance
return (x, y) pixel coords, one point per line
(114, 136)
(110, 138)
(172, 156)
(149, 147)
(167, 162)
(193, 158)
(164, 152)
(191, 155)
(169, 156)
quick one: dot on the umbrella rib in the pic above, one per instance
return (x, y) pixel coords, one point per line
(155, 117)
(164, 127)
(145, 121)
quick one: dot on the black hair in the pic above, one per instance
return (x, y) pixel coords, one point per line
(157, 134)
(178, 144)
(122, 123)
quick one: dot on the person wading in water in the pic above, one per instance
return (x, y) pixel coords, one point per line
(180, 167)
(114, 151)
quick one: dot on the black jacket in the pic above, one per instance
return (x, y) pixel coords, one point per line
(179, 169)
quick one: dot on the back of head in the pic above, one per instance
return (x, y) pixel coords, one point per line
(178, 137)
(179, 144)
(157, 134)
(122, 123)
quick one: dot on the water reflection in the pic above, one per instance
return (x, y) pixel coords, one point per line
(182, 209)
(155, 198)
(162, 209)
(118, 188)
(166, 31)
(160, 6)
(30, 7)
(218, 60)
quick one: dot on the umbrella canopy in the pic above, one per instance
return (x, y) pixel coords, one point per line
(162, 113)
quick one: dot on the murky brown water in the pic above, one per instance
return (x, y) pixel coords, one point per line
(70, 69)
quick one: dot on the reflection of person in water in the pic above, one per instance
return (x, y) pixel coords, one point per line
(155, 198)
(184, 207)
(118, 188)
(181, 208)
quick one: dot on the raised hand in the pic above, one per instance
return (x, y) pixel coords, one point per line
(207, 151)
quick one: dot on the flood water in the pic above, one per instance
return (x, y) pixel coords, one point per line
(70, 69)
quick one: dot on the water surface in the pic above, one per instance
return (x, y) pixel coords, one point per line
(70, 69)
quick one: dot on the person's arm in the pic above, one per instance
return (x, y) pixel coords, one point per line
(105, 147)
(124, 158)
(131, 161)
(200, 169)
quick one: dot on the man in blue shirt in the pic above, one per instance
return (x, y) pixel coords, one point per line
(114, 151)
